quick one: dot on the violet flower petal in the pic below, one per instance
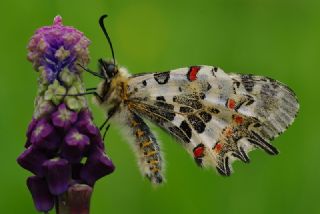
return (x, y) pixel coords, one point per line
(63, 117)
(52, 143)
(85, 124)
(58, 175)
(74, 146)
(96, 166)
(76, 169)
(85, 113)
(31, 127)
(32, 160)
(42, 198)
(27, 144)
(57, 47)
(41, 131)
(97, 140)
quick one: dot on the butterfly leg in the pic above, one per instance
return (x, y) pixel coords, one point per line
(111, 112)
(105, 132)
(83, 94)
(91, 89)
(147, 148)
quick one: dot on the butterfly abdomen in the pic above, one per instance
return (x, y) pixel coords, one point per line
(147, 148)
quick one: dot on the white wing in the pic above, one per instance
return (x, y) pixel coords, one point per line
(217, 117)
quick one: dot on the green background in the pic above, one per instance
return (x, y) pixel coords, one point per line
(279, 39)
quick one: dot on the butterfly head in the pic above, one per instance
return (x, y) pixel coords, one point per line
(108, 69)
(112, 88)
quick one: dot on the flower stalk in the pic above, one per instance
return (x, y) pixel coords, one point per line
(64, 149)
(75, 201)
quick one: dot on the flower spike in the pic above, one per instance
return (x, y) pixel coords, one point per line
(62, 140)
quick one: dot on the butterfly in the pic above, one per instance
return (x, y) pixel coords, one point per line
(217, 117)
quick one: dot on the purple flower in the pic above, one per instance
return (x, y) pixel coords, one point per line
(30, 129)
(31, 126)
(41, 131)
(45, 136)
(96, 166)
(85, 123)
(42, 198)
(74, 146)
(97, 141)
(76, 169)
(61, 134)
(32, 159)
(58, 175)
(63, 117)
(56, 47)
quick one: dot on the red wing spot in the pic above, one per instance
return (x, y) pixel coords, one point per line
(238, 119)
(231, 103)
(192, 73)
(198, 152)
(217, 148)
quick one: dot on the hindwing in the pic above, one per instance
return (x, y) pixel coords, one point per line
(217, 117)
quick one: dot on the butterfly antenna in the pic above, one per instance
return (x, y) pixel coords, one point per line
(104, 30)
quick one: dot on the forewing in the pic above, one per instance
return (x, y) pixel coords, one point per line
(218, 117)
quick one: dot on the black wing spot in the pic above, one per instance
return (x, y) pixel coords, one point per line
(159, 115)
(222, 171)
(241, 155)
(266, 90)
(248, 82)
(198, 161)
(205, 116)
(214, 110)
(193, 103)
(202, 95)
(208, 86)
(260, 142)
(161, 98)
(185, 109)
(236, 82)
(274, 83)
(256, 125)
(162, 78)
(144, 82)
(224, 167)
(227, 166)
(213, 71)
(197, 123)
(250, 100)
(186, 128)
(164, 105)
(244, 155)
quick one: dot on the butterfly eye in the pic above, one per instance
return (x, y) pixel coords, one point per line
(107, 69)
(111, 69)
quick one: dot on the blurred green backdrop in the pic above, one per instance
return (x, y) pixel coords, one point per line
(279, 39)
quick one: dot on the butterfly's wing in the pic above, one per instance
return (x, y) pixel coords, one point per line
(217, 117)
